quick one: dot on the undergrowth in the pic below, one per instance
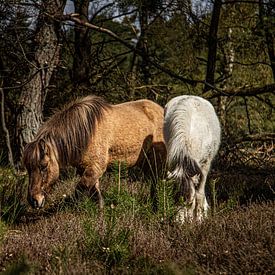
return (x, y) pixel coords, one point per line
(13, 192)
(130, 235)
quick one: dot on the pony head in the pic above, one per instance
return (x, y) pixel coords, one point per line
(40, 159)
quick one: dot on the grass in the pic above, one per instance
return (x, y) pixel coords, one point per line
(3, 230)
(13, 190)
(129, 237)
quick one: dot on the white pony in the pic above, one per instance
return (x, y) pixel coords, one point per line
(192, 136)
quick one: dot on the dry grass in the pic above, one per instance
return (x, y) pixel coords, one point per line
(241, 241)
(72, 237)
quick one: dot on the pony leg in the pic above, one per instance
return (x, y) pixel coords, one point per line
(90, 182)
(99, 194)
(201, 202)
(188, 193)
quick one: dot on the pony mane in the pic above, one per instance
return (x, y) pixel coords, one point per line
(68, 130)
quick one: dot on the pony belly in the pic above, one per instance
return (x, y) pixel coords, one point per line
(129, 156)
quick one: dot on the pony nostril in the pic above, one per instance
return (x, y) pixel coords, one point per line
(37, 203)
(33, 202)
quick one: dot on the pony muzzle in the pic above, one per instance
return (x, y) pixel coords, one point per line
(37, 201)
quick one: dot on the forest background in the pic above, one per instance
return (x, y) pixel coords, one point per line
(125, 50)
(54, 51)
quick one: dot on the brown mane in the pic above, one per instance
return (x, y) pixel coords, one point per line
(68, 130)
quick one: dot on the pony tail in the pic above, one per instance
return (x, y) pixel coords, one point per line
(183, 167)
(182, 170)
(181, 162)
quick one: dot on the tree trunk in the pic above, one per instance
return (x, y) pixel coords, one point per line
(212, 45)
(82, 46)
(5, 129)
(142, 44)
(266, 18)
(3, 119)
(46, 57)
(229, 56)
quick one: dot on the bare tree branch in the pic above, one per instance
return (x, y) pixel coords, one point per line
(76, 19)
(241, 1)
(245, 91)
(251, 64)
(26, 81)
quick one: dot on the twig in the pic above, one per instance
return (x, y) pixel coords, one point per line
(27, 81)
(5, 129)
(255, 137)
(247, 115)
(74, 17)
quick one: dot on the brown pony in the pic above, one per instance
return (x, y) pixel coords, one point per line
(91, 134)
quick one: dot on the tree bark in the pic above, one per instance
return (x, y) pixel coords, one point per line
(142, 43)
(46, 57)
(266, 17)
(5, 129)
(82, 46)
(229, 56)
(212, 45)
(3, 119)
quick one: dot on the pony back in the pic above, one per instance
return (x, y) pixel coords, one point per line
(191, 134)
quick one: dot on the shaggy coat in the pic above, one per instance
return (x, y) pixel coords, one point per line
(192, 137)
(91, 134)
